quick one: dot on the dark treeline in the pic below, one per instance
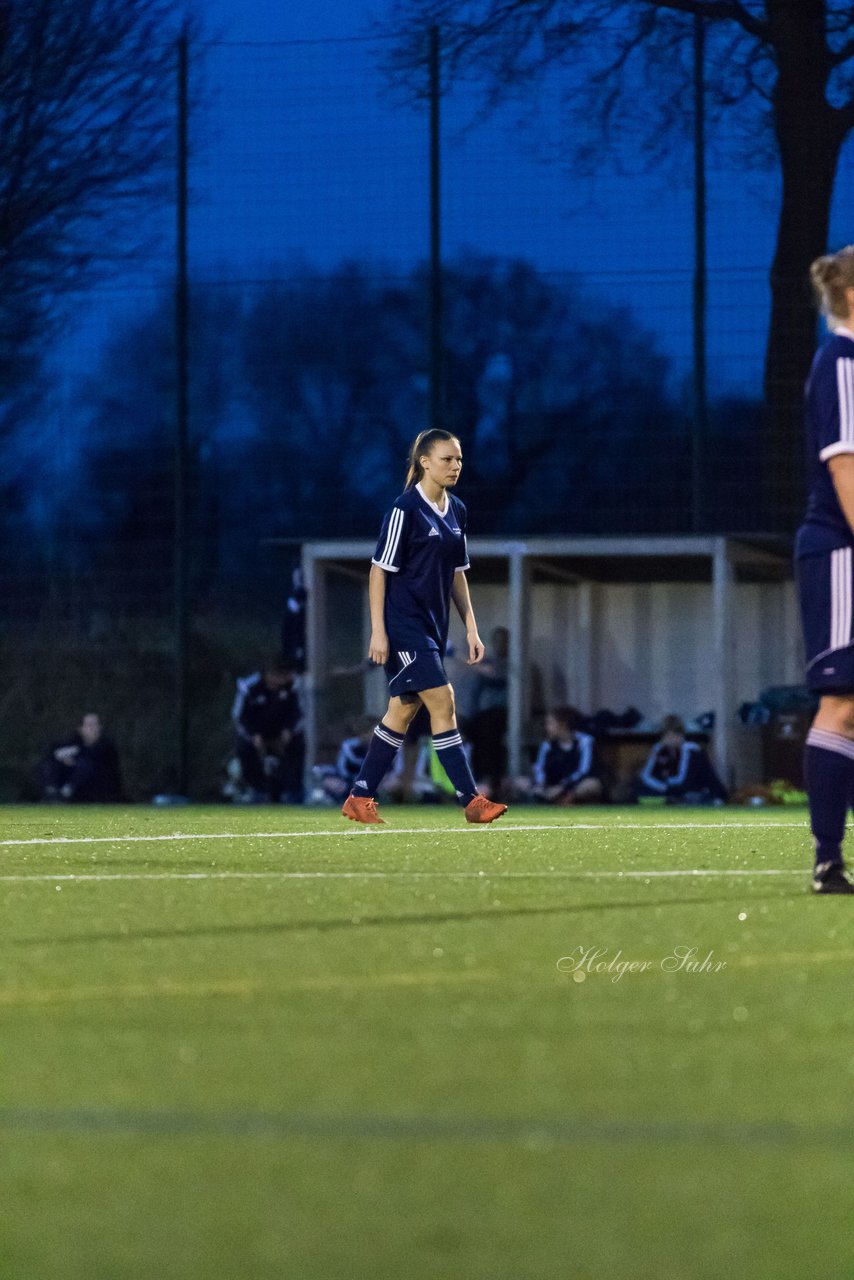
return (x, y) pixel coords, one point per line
(306, 393)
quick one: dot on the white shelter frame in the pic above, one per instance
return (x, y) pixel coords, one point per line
(585, 562)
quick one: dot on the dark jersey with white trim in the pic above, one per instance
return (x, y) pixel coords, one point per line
(564, 763)
(421, 551)
(829, 431)
(259, 711)
(674, 770)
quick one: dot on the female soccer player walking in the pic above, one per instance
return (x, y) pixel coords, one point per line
(417, 570)
(824, 552)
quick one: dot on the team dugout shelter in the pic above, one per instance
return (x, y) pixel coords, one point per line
(685, 624)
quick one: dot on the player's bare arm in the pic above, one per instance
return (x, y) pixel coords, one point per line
(462, 603)
(378, 650)
(841, 469)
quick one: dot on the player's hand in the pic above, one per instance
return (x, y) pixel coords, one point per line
(476, 649)
(378, 651)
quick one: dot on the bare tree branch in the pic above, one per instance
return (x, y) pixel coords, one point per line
(839, 56)
(844, 117)
(718, 11)
(778, 69)
(86, 123)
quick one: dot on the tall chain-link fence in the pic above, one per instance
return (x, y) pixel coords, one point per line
(362, 260)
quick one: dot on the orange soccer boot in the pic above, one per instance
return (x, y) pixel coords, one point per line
(364, 809)
(482, 810)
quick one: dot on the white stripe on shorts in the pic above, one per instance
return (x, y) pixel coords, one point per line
(840, 598)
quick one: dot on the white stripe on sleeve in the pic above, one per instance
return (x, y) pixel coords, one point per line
(841, 446)
(389, 551)
(845, 390)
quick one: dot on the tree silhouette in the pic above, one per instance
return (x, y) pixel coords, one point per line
(306, 394)
(86, 116)
(790, 62)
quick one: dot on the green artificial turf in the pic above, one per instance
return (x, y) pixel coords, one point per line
(265, 1043)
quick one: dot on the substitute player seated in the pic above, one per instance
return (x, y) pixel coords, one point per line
(269, 738)
(677, 769)
(565, 771)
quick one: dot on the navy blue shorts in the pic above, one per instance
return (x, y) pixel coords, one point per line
(826, 590)
(409, 672)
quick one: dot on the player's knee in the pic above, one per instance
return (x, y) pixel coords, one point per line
(588, 791)
(442, 711)
(400, 715)
(447, 708)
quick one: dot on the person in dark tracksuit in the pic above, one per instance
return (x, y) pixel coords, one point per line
(564, 771)
(270, 743)
(680, 770)
(84, 767)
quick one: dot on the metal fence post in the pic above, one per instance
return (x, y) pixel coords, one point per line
(437, 356)
(182, 448)
(699, 428)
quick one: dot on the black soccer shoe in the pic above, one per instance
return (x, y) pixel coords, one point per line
(829, 877)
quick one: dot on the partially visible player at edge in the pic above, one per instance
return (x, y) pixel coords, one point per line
(417, 570)
(824, 551)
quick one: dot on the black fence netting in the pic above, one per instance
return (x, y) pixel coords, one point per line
(362, 259)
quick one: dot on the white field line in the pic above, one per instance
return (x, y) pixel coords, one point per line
(370, 832)
(166, 987)
(403, 875)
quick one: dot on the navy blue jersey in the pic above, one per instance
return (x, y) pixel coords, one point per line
(829, 431)
(421, 549)
(564, 763)
(675, 770)
(259, 711)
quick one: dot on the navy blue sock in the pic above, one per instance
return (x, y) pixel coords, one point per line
(385, 745)
(829, 770)
(449, 749)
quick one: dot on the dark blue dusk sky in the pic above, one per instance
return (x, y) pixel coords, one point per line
(303, 156)
(289, 19)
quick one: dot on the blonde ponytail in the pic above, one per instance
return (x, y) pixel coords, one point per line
(831, 275)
